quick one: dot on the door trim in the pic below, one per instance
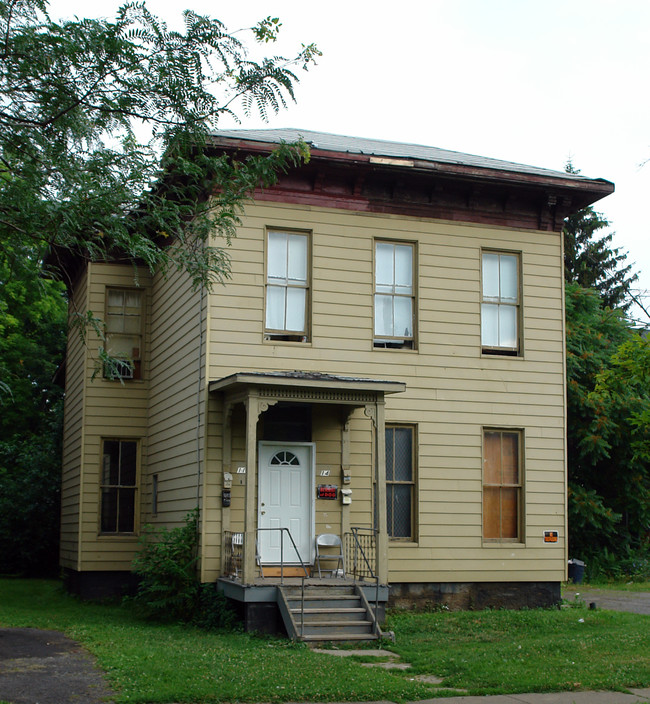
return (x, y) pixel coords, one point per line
(311, 486)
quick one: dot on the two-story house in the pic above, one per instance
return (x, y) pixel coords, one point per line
(385, 364)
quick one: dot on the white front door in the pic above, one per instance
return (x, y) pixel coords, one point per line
(286, 500)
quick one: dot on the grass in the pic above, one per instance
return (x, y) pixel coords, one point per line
(616, 586)
(484, 652)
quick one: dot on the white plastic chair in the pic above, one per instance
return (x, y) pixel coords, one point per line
(330, 542)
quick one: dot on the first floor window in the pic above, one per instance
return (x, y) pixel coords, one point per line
(118, 486)
(124, 333)
(400, 481)
(394, 295)
(500, 306)
(287, 286)
(502, 485)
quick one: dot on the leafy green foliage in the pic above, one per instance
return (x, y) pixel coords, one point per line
(169, 589)
(32, 342)
(591, 262)
(87, 109)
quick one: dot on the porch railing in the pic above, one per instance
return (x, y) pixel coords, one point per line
(234, 552)
(361, 553)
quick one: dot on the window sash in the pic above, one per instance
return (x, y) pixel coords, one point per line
(124, 330)
(118, 486)
(400, 482)
(394, 291)
(287, 283)
(500, 301)
(502, 485)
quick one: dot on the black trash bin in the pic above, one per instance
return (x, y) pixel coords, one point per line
(576, 571)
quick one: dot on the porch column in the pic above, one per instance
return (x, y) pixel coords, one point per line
(250, 505)
(345, 466)
(382, 523)
(226, 467)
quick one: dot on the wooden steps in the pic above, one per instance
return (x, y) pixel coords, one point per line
(329, 613)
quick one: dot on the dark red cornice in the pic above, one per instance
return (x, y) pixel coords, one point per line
(440, 190)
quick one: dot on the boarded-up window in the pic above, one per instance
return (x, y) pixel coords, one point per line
(500, 306)
(400, 482)
(394, 295)
(124, 333)
(502, 486)
(287, 286)
(119, 486)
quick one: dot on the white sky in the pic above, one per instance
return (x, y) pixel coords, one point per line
(522, 80)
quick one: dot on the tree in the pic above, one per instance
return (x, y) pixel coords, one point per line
(105, 153)
(77, 177)
(591, 262)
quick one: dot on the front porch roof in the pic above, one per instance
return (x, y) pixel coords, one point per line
(316, 381)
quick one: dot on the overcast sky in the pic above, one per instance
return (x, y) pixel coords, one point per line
(523, 80)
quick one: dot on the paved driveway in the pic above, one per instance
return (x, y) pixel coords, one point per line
(45, 667)
(635, 602)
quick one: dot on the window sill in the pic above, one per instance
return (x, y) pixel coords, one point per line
(403, 542)
(503, 544)
(118, 536)
(492, 355)
(287, 343)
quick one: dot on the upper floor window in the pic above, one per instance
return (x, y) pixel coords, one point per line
(500, 303)
(118, 486)
(124, 333)
(400, 481)
(394, 295)
(287, 286)
(502, 485)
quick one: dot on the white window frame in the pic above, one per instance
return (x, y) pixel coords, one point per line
(397, 294)
(282, 285)
(131, 367)
(499, 306)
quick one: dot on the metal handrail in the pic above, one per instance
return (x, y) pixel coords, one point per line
(358, 548)
(295, 549)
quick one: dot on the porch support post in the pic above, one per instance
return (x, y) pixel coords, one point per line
(345, 466)
(382, 523)
(226, 467)
(250, 507)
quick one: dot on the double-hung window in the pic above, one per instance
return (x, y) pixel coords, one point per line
(287, 286)
(502, 485)
(394, 295)
(400, 481)
(119, 474)
(124, 333)
(500, 304)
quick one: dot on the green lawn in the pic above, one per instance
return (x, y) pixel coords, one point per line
(482, 652)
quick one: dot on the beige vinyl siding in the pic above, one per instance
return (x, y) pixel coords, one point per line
(177, 399)
(111, 410)
(452, 393)
(73, 445)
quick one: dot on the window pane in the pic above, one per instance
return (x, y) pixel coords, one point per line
(109, 511)
(126, 522)
(132, 301)
(490, 276)
(297, 258)
(277, 264)
(115, 299)
(275, 298)
(111, 462)
(403, 318)
(390, 457)
(489, 325)
(507, 326)
(295, 309)
(132, 324)
(403, 269)
(128, 463)
(509, 282)
(384, 264)
(510, 458)
(399, 510)
(492, 458)
(383, 316)
(491, 513)
(123, 345)
(114, 322)
(403, 454)
(509, 521)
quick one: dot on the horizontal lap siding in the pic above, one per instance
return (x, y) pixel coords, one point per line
(112, 410)
(71, 485)
(452, 391)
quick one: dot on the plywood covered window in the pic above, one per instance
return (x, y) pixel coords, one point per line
(400, 481)
(394, 295)
(500, 303)
(124, 333)
(119, 475)
(287, 286)
(502, 485)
